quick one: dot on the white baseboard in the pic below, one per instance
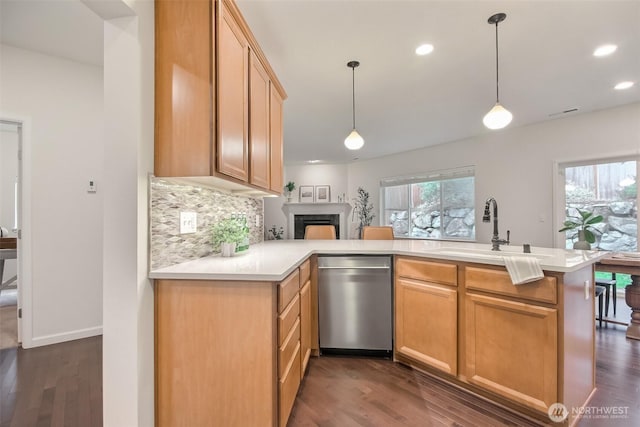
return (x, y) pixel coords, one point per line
(63, 337)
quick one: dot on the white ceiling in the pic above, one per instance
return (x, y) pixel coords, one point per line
(403, 101)
(64, 28)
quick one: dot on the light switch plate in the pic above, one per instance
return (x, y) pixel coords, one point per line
(92, 187)
(188, 222)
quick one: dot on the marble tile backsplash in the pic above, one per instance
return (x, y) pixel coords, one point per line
(169, 198)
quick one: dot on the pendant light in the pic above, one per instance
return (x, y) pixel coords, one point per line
(499, 116)
(354, 141)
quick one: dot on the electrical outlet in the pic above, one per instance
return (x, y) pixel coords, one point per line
(188, 222)
(257, 220)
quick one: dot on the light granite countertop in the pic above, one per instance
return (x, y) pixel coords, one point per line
(274, 260)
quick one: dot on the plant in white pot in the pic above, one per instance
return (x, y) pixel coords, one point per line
(585, 226)
(226, 235)
(288, 190)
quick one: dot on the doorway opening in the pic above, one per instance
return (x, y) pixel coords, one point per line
(10, 210)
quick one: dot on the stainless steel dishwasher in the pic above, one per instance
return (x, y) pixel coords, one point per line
(355, 304)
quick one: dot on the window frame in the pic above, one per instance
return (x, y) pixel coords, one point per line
(559, 193)
(430, 176)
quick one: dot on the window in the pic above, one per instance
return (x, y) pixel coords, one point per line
(438, 205)
(609, 188)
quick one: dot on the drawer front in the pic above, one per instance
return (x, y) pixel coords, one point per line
(305, 272)
(285, 352)
(287, 289)
(427, 271)
(287, 319)
(499, 282)
(288, 388)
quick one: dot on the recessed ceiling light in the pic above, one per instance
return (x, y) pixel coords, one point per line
(424, 49)
(604, 50)
(623, 85)
(313, 161)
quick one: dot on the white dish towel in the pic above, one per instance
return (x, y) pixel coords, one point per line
(523, 269)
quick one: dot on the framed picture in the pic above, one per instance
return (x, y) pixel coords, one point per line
(323, 194)
(306, 194)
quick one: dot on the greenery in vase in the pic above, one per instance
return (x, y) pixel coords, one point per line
(228, 230)
(585, 223)
(290, 187)
(363, 209)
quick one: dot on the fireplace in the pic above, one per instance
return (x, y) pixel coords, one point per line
(301, 222)
(322, 213)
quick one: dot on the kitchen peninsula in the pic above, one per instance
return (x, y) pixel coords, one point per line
(233, 334)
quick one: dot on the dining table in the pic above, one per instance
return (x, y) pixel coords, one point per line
(627, 263)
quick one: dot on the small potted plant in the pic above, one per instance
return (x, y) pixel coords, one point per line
(226, 235)
(363, 209)
(288, 189)
(584, 224)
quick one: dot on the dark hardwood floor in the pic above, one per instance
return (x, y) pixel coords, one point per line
(372, 392)
(55, 385)
(61, 385)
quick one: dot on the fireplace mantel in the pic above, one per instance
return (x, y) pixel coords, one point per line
(342, 209)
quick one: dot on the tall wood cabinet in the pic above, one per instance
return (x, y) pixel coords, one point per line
(218, 102)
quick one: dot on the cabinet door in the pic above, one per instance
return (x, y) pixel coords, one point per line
(426, 323)
(232, 144)
(305, 326)
(258, 123)
(277, 144)
(183, 104)
(511, 349)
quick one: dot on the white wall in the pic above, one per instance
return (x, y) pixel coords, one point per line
(63, 101)
(515, 165)
(128, 351)
(8, 173)
(333, 175)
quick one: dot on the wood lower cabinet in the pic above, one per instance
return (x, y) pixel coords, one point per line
(512, 349)
(218, 103)
(215, 365)
(305, 326)
(230, 352)
(526, 346)
(426, 323)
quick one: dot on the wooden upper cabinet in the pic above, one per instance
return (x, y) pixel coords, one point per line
(218, 103)
(277, 143)
(183, 90)
(232, 145)
(259, 153)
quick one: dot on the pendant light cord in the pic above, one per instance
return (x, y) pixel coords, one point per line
(497, 68)
(353, 95)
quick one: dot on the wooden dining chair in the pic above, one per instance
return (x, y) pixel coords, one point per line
(320, 232)
(377, 233)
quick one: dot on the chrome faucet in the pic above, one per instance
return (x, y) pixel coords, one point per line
(496, 241)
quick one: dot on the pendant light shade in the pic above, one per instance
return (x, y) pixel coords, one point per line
(499, 116)
(354, 141)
